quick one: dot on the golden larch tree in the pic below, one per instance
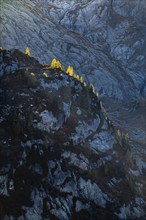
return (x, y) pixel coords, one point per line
(70, 71)
(92, 87)
(81, 79)
(53, 63)
(27, 52)
(45, 74)
(32, 74)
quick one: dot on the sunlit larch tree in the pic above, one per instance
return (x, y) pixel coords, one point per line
(27, 51)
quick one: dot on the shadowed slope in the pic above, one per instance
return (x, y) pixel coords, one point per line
(60, 156)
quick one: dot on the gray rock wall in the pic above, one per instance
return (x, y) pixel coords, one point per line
(102, 40)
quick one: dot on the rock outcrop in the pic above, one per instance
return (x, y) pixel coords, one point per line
(61, 157)
(103, 40)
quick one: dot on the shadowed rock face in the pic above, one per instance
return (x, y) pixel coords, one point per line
(60, 156)
(103, 40)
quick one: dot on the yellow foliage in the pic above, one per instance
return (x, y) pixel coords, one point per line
(92, 87)
(32, 74)
(97, 94)
(53, 63)
(1, 48)
(74, 75)
(56, 64)
(77, 77)
(103, 109)
(85, 85)
(46, 66)
(81, 79)
(70, 71)
(27, 51)
(45, 74)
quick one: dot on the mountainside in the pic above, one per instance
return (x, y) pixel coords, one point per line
(61, 157)
(67, 150)
(103, 40)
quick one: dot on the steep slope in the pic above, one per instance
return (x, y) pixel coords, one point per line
(103, 40)
(119, 26)
(60, 156)
(44, 27)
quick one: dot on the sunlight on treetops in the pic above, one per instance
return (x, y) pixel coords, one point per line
(45, 74)
(27, 51)
(70, 71)
(85, 85)
(56, 64)
(97, 94)
(53, 63)
(81, 79)
(1, 48)
(77, 77)
(92, 87)
(32, 74)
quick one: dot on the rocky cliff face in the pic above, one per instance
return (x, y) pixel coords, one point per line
(103, 40)
(61, 157)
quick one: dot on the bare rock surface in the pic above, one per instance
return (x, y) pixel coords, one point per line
(47, 173)
(104, 40)
(101, 39)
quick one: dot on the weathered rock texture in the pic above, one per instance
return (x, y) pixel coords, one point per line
(103, 40)
(60, 156)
